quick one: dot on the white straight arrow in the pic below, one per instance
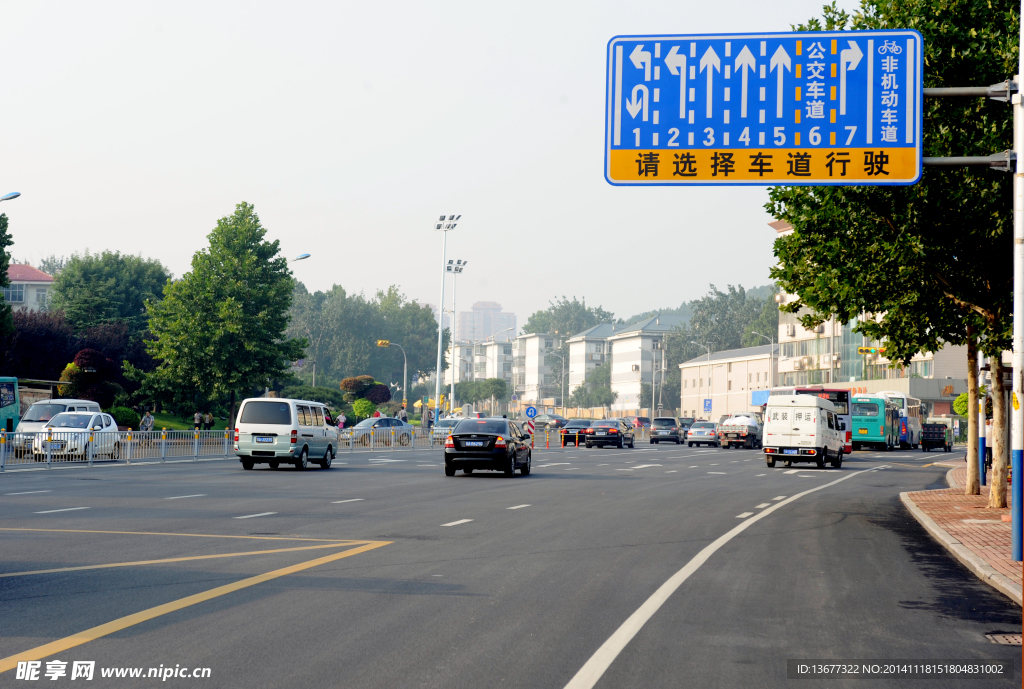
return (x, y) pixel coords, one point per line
(642, 60)
(851, 55)
(780, 62)
(710, 62)
(676, 64)
(745, 60)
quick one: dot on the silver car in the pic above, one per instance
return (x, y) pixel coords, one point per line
(382, 431)
(703, 433)
(442, 429)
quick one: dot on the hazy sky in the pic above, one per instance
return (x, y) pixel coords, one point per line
(351, 126)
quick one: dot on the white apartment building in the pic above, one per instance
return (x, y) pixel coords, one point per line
(29, 288)
(478, 361)
(532, 378)
(828, 354)
(462, 368)
(588, 350)
(725, 380)
(636, 355)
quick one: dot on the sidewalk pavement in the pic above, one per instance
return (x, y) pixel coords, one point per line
(977, 536)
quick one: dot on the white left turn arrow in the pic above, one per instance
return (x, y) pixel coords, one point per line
(634, 105)
(745, 60)
(710, 62)
(676, 64)
(642, 60)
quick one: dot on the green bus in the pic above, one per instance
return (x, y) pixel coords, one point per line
(876, 422)
(10, 404)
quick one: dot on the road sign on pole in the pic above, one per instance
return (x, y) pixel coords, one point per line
(531, 412)
(707, 406)
(832, 108)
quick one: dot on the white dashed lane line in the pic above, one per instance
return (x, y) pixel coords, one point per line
(517, 507)
(261, 514)
(30, 492)
(744, 515)
(338, 502)
(66, 509)
(791, 471)
(760, 475)
(762, 505)
(456, 523)
(182, 497)
(722, 473)
(781, 497)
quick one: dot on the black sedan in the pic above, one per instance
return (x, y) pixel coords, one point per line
(610, 432)
(573, 432)
(489, 444)
(549, 421)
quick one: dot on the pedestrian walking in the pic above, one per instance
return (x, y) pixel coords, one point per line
(341, 419)
(209, 421)
(197, 420)
(402, 415)
(430, 418)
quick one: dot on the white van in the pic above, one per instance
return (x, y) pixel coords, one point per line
(285, 431)
(802, 428)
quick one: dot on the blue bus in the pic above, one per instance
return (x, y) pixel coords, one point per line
(10, 404)
(910, 418)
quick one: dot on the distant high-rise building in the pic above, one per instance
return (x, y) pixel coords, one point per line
(484, 320)
(447, 316)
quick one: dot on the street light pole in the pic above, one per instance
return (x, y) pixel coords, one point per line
(444, 225)
(454, 267)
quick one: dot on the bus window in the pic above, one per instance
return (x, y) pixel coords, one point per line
(865, 409)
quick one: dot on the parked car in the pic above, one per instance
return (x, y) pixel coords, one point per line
(489, 444)
(573, 431)
(549, 421)
(284, 431)
(666, 429)
(382, 431)
(67, 436)
(39, 414)
(610, 432)
(442, 428)
(702, 433)
(802, 428)
(936, 435)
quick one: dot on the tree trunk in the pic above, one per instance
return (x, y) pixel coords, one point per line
(997, 491)
(231, 417)
(973, 480)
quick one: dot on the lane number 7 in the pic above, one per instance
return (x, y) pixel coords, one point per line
(852, 130)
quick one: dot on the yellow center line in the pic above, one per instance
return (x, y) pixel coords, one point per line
(83, 637)
(193, 535)
(175, 559)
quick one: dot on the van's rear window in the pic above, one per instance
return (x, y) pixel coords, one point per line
(273, 413)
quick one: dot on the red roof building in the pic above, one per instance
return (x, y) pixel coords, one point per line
(29, 288)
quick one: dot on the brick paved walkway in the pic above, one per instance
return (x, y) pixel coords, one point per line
(968, 519)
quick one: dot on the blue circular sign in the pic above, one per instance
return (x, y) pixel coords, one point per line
(531, 412)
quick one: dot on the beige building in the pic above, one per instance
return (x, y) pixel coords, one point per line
(29, 289)
(588, 350)
(532, 378)
(726, 380)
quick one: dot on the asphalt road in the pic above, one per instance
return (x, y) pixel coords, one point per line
(390, 574)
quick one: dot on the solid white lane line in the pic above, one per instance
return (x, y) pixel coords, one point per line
(29, 492)
(517, 507)
(762, 505)
(261, 514)
(182, 497)
(338, 502)
(461, 521)
(781, 497)
(66, 509)
(744, 515)
(595, 667)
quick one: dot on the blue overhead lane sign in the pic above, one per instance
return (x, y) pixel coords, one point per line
(799, 108)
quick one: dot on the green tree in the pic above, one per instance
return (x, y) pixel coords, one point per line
(93, 289)
(910, 255)
(596, 390)
(52, 264)
(220, 330)
(6, 314)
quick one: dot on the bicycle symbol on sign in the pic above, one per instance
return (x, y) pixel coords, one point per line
(889, 47)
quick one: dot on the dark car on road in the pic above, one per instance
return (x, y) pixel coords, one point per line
(667, 429)
(686, 422)
(573, 431)
(703, 433)
(488, 444)
(936, 435)
(549, 421)
(610, 432)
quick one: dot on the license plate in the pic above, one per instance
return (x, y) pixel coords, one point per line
(664, 432)
(474, 443)
(601, 433)
(261, 439)
(862, 431)
(790, 452)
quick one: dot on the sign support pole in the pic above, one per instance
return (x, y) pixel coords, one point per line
(1017, 419)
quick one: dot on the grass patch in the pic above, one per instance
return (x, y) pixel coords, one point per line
(171, 422)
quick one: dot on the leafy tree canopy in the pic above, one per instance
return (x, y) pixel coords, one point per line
(567, 318)
(596, 390)
(6, 319)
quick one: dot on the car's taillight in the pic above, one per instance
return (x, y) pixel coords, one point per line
(588, 430)
(449, 442)
(613, 430)
(295, 437)
(564, 430)
(236, 435)
(849, 436)
(500, 442)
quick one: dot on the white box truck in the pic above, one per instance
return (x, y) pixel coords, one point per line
(802, 428)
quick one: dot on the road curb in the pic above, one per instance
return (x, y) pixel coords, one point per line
(981, 569)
